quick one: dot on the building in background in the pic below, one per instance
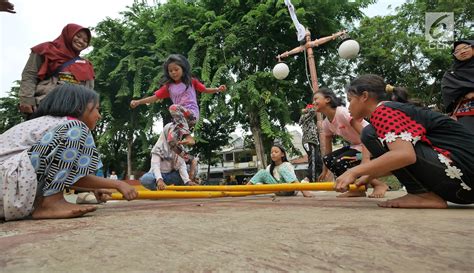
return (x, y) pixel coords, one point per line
(239, 163)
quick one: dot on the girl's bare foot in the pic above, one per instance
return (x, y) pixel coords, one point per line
(352, 194)
(427, 200)
(379, 189)
(56, 207)
(307, 194)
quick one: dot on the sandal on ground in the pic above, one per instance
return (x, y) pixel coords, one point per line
(86, 198)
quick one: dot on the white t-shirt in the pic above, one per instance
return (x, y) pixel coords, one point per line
(341, 126)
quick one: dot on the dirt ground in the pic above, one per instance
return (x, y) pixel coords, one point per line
(258, 233)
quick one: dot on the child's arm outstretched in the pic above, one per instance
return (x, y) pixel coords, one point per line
(150, 99)
(221, 88)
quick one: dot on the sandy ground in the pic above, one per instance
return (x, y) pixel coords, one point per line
(259, 233)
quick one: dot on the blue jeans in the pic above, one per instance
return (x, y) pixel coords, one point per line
(148, 180)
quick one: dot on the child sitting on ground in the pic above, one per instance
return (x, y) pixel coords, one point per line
(279, 171)
(54, 150)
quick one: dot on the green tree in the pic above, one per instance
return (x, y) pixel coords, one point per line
(395, 47)
(124, 66)
(242, 40)
(128, 56)
(9, 113)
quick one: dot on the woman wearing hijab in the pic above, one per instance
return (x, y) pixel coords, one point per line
(54, 63)
(457, 86)
(166, 166)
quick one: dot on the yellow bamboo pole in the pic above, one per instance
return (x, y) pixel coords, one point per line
(167, 194)
(320, 186)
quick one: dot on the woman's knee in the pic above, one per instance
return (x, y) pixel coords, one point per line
(148, 181)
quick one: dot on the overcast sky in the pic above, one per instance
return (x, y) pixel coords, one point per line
(40, 21)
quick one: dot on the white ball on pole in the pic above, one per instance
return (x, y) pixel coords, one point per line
(281, 71)
(348, 49)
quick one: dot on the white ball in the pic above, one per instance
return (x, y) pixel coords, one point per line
(349, 49)
(280, 71)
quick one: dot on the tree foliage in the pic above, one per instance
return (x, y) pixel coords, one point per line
(235, 42)
(245, 37)
(227, 42)
(395, 47)
(128, 56)
(9, 113)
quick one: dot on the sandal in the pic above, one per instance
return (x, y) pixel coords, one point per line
(86, 198)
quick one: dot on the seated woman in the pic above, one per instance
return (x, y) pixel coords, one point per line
(52, 151)
(279, 171)
(457, 85)
(429, 153)
(166, 166)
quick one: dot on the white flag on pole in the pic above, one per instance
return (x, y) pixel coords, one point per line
(299, 27)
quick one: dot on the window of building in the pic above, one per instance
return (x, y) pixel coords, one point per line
(229, 157)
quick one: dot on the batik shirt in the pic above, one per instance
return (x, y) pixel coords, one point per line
(64, 155)
(18, 182)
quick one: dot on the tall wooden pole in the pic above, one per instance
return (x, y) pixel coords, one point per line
(308, 46)
(311, 63)
(314, 82)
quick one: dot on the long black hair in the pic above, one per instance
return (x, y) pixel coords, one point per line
(66, 100)
(375, 86)
(399, 94)
(335, 101)
(283, 159)
(183, 63)
(378, 89)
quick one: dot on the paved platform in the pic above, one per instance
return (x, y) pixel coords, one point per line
(258, 233)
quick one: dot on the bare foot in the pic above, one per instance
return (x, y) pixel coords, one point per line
(56, 207)
(427, 200)
(307, 194)
(379, 190)
(352, 194)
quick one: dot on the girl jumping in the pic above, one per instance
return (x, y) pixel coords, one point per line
(180, 86)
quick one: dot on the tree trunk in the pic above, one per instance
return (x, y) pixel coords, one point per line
(129, 157)
(257, 138)
(208, 171)
(130, 145)
(208, 158)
